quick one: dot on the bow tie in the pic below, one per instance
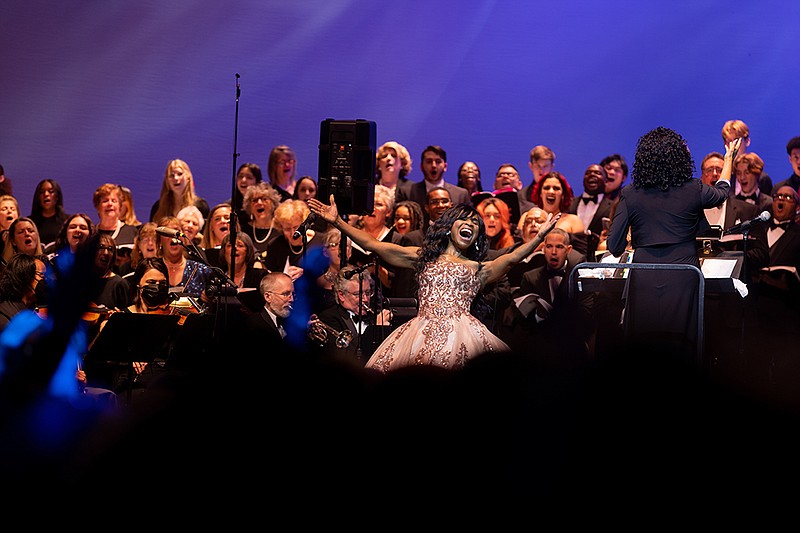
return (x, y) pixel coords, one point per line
(586, 198)
(279, 320)
(550, 273)
(778, 224)
(746, 197)
(359, 320)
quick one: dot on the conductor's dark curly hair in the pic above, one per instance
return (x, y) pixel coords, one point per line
(438, 236)
(663, 160)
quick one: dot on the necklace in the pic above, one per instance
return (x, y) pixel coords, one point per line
(261, 241)
(117, 227)
(330, 276)
(173, 267)
(291, 249)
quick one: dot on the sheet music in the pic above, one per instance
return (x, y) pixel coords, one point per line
(717, 268)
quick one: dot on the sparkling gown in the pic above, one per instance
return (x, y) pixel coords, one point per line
(443, 333)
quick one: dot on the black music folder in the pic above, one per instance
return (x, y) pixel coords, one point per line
(129, 337)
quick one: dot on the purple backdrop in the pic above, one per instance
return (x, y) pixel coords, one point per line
(96, 91)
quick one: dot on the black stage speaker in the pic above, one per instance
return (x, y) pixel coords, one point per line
(347, 165)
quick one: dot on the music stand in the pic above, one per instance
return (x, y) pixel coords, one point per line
(129, 337)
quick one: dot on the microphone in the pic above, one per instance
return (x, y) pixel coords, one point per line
(304, 226)
(350, 273)
(743, 226)
(169, 232)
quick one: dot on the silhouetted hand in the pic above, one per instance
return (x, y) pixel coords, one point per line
(548, 225)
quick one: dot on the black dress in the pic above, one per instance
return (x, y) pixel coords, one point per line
(661, 305)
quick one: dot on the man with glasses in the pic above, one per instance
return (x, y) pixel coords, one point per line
(353, 318)
(774, 336)
(267, 328)
(731, 212)
(616, 172)
(782, 233)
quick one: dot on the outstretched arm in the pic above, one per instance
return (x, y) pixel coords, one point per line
(394, 254)
(495, 269)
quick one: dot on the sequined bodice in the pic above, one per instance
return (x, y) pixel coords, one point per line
(446, 289)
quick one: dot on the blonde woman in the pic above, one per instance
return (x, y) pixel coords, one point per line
(286, 250)
(177, 192)
(392, 163)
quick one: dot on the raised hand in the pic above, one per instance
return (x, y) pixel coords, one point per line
(549, 224)
(328, 213)
(733, 147)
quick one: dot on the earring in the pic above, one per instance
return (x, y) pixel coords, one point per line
(448, 232)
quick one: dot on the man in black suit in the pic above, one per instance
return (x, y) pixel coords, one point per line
(793, 151)
(266, 328)
(775, 294)
(542, 318)
(734, 210)
(592, 206)
(358, 329)
(433, 166)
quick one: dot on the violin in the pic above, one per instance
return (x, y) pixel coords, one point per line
(92, 316)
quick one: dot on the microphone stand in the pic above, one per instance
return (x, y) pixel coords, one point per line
(360, 313)
(745, 278)
(234, 212)
(233, 222)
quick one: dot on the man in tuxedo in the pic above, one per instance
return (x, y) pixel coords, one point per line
(748, 168)
(360, 331)
(793, 151)
(542, 314)
(433, 165)
(782, 233)
(733, 211)
(592, 206)
(775, 299)
(266, 328)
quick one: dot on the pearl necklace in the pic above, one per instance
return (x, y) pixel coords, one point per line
(261, 241)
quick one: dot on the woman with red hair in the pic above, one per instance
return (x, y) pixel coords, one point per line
(553, 194)
(497, 218)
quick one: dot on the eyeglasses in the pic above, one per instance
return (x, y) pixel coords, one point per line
(787, 197)
(512, 174)
(284, 294)
(712, 170)
(368, 293)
